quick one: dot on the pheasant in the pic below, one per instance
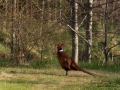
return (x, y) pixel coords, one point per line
(67, 63)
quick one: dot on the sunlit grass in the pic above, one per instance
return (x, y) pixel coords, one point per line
(4, 48)
(55, 79)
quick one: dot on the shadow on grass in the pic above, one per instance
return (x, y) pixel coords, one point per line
(52, 73)
(20, 81)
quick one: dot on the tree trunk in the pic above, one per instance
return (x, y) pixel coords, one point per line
(75, 27)
(13, 34)
(89, 31)
(106, 32)
(60, 12)
(17, 52)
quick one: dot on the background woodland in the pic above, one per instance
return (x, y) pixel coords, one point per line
(88, 29)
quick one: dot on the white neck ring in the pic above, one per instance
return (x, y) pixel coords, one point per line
(60, 50)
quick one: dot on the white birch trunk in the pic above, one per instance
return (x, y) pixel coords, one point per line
(75, 27)
(89, 31)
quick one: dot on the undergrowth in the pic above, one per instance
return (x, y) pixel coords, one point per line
(95, 65)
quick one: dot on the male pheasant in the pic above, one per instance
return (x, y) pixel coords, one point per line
(67, 63)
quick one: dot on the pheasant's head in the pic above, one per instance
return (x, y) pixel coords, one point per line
(59, 47)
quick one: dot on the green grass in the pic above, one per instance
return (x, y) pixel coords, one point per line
(22, 78)
(4, 48)
(96, 65)
(48, 75)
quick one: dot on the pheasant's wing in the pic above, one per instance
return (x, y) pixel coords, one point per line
(67, 60)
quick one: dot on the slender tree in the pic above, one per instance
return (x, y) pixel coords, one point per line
(89, 30)
(75, 27)
(106, 32)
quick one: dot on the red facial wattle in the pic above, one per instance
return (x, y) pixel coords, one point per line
(59, 46)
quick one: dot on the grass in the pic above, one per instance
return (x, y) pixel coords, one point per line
(3, 48)
(24, 78)
(48, 75)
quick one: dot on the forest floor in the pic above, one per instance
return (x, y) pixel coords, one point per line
(19, 78)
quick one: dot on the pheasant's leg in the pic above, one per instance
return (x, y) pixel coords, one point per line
(66, 72)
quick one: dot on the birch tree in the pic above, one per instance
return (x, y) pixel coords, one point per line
(74, 25)
(89, 30)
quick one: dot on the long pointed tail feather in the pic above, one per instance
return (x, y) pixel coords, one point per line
(87, 72)
(77, 68)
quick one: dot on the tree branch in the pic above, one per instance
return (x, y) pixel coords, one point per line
(37, 5)
(104, 4)
(113, 10)
(79, 27)
(113, 47)
(77, 3)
